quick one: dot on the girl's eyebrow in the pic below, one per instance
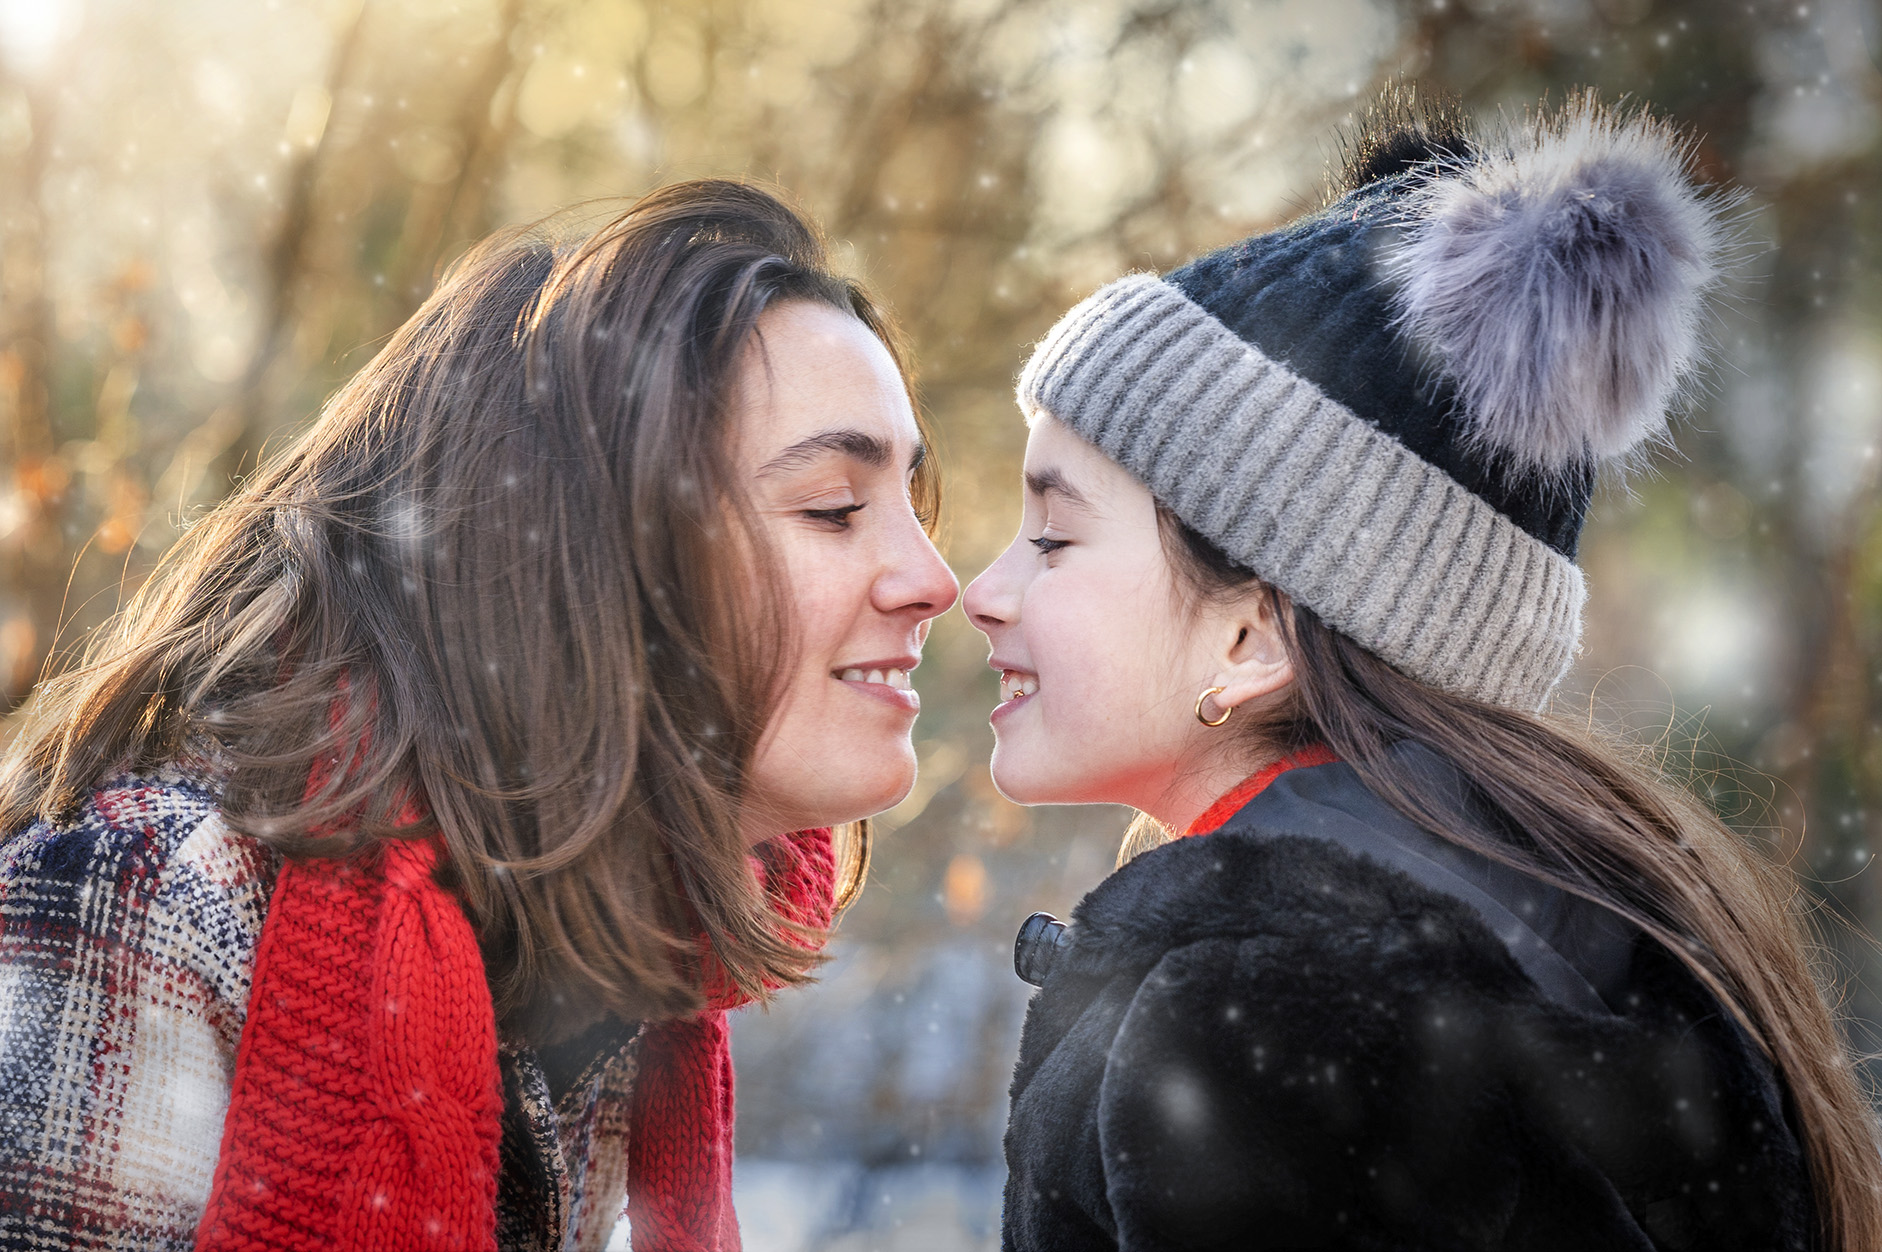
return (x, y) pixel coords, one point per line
(1051, 482)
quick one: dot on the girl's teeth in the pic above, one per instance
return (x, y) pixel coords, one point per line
(851, 675)
(1014, 685)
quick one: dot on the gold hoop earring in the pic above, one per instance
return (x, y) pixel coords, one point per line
(1226, 713)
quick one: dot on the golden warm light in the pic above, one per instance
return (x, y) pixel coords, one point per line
(213, 212)
(964, 889)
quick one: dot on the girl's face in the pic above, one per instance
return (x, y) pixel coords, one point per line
(828, 444)
(1101, 656)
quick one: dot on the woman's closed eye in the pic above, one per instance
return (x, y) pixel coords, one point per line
(837, 518)
(1048, 546)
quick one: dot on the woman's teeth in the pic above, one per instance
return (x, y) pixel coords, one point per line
(896, 678)
(1014, 684)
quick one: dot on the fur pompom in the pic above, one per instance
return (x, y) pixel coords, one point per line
(1557, 278)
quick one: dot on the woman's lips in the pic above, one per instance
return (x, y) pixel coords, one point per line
(888, 684)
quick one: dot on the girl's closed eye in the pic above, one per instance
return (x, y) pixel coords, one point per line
(1047, 546)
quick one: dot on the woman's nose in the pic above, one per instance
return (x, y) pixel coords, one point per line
(921, 580)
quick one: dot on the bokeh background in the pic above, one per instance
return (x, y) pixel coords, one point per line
(211, 211)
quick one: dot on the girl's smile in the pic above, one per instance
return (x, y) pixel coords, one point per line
(1017, 688)
(1015, 684)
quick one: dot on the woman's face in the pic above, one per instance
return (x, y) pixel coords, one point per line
(828, 445)
(1101, 657)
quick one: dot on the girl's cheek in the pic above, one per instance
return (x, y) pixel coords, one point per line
(1067, 616)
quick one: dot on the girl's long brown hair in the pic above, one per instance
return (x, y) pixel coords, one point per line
(510, 571)
(1602, 823)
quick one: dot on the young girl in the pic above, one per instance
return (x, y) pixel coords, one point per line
(1420, 966)
(381, 878)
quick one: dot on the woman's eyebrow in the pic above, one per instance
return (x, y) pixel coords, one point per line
(871, 450)
(1051, 482)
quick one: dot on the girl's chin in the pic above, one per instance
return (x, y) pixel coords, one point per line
(1041, 778)
(1024, 785)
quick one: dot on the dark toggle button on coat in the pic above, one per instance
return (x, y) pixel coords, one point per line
(1321, 1027)
(1037, 947)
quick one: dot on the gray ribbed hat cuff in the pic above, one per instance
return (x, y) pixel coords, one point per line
(1385, 547)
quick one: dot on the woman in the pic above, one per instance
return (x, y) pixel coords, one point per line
(381, 877)
(1415, 965)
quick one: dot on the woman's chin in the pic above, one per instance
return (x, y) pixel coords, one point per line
(847, 794)
(884, 791)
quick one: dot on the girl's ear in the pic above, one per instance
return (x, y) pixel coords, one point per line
(1256, 662)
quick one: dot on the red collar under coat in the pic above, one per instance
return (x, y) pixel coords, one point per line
(1231, 803)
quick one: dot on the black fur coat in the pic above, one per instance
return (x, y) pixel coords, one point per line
(1257, 1039)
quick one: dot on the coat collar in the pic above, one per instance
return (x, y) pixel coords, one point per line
(1188, 890)
(1230, 885)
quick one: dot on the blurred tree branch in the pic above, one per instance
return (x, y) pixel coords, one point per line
(34, 557)
(232, 436)
(441, 219)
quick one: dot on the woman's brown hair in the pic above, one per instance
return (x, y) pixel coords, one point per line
(1596, 820)
(510, 571)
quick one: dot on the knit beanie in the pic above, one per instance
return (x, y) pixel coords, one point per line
(1393, 409)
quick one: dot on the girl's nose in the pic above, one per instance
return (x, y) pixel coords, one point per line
(989, 602)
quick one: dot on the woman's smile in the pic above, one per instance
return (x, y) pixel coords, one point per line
(889, 681)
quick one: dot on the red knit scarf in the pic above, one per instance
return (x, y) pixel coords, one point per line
(679, 1154)
(365, 1110)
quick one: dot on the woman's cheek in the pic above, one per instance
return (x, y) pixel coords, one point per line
(815, 598)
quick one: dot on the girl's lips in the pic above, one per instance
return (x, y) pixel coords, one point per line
(1006, 708)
